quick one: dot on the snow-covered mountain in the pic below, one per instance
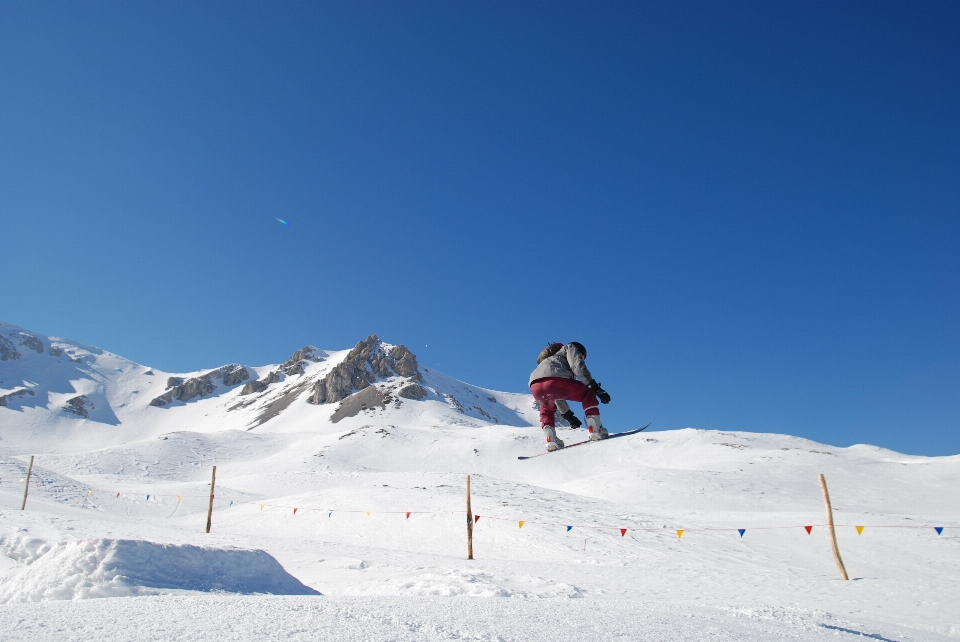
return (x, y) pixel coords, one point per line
(53, 386)
(343, 473)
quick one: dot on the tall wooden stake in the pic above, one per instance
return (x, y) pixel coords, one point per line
(469, 523)
(26, 487)
(833, 533)
(213, 482)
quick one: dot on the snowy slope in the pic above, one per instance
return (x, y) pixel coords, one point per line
(385, 574)
(52, 388)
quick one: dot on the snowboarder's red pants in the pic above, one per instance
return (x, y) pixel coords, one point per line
(547, 391)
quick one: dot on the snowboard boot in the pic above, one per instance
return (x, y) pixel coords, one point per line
(553, 442)
(597, 431)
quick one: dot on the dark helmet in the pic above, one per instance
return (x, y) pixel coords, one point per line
(580, 348)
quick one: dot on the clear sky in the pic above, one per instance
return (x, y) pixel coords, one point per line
(748, 212)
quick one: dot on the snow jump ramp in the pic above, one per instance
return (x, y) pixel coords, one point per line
(125, 567)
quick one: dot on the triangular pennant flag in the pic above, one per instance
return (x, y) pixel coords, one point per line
(741, 531)
(118, 494)
(679, 533)
(859, 530)
(294, 511)
(476, 518)
(368, 513)
(261, 506)
(522, 523)
(623, 532)
(231, 502)
(939, 529)
(89, 492)
(408, 515)
(808, 529)
(148, 498)
(179, 497)
(569, 528)
(330, 514)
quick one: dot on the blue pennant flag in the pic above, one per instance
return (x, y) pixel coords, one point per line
(330, 514)
(939, 529)
(569, 528)
(148, 498)
(231, 502)
(741, 531)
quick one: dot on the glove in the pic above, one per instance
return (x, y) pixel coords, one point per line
(602, 394)
(572, 418)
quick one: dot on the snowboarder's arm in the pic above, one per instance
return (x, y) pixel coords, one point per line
(579, 368)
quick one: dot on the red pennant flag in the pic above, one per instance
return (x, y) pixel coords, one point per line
(623, 532)
(476, 518)
(118, 494)
(808, 529)
(408, 515)
(294, 511)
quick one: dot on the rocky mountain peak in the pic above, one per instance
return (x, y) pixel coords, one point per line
(367, 362)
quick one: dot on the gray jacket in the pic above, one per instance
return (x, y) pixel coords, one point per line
(566, 364)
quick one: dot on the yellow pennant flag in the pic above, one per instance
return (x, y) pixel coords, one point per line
(679, 533)
(261, 506)
(522, 523)
(179, 497)
(89, 492)
(859, 530)
(368, 513)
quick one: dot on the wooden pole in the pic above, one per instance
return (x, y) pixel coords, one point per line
(833, 533)
(26, 487)
(469, 523)
(213, 482)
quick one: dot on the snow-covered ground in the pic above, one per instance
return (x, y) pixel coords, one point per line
(382, 573)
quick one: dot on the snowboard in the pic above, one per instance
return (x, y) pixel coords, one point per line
(581, 443)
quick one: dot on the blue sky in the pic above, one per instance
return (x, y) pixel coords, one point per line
(748, 212)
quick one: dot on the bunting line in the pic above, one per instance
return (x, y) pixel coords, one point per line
(158, 497)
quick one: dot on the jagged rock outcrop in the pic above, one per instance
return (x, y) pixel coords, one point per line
(368, 360)
(31, 342)
(8, 352)
(260, 385)
(295, 365)
(56, 352)
(185, 390)
(412, 391)
(78, 406)
(23, 392)
(298, 361)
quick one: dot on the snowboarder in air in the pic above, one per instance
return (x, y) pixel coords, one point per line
(554, 382)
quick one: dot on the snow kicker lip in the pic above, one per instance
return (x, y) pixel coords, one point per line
(126, 567)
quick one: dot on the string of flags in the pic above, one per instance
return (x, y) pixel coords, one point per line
(740, 531)
(476, 517)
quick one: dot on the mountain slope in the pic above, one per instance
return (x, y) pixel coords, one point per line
(55, 387)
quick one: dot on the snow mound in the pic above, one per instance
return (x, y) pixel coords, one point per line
(126, 567)
(468, 583)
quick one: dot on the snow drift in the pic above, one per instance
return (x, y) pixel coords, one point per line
(123, 567)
